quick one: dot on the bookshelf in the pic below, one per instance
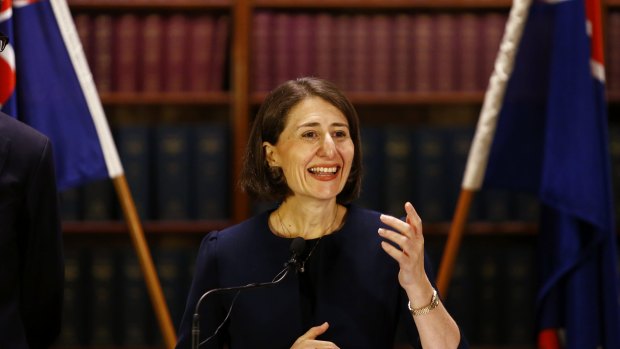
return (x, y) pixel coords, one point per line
(235, 101)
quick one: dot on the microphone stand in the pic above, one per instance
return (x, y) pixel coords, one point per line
(297, 247)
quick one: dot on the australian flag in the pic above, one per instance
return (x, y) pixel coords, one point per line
(552, 140)
(46, 83)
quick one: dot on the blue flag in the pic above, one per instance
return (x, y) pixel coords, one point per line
(552, 140)
(53, 90)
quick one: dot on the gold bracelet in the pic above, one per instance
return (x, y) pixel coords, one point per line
(425, 309)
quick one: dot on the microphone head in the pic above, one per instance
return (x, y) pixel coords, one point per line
(297, 246)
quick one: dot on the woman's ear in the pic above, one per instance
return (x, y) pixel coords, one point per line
(270, 154)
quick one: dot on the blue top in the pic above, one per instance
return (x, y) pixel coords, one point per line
(349, 281)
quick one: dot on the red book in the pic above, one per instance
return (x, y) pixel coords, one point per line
(324, 39)
(359, 79)
(342, 51)
(220, 53)
(282, 50)
(102, 52)
(380, 51)
(200, 53)
(422, 55)
(125, 62)
(492, 31)
(152, 51)
(402, 52)
(176, 53)
(468, 52)
(261, 52)
(83, 25)
(303, 45)
(444, 57)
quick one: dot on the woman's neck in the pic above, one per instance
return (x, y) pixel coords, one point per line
(308, 220)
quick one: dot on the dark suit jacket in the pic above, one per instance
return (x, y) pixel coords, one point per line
(31, 258)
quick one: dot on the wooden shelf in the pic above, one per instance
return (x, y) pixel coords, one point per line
(123, 5)
(149, 227)
(384, 4)
(166, 98)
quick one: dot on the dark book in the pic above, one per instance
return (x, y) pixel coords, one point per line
(282, 54)
(84, 27)
(498, 205)
(136, 307)
(488, 294)
(460, 300)
(468, 53)
(303, 49)
(74, 331)
(373, 158)
(134, 149)
(459, 139)
(104, 303)
(359, 76)
(70, 201)
(210, 181)
(99, 199)
(430, 166)
(444, 57)
(518, 297)
(173, 172)
(380, 50)
(399, 172)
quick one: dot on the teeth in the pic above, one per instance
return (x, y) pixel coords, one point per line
(330, 170)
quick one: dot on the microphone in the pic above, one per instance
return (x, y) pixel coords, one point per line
(297, 247)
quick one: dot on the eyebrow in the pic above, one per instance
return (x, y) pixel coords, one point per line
(314, 124)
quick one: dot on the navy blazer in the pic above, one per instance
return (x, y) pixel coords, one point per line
(31, 257)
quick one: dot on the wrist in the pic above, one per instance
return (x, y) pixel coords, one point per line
(425, 309)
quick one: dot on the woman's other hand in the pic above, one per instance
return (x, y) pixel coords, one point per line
(308, 339)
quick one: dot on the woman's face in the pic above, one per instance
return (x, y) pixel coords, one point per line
(315, 150)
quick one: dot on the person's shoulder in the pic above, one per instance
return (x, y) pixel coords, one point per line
(21, 135)
(239, 232)
(362, 214)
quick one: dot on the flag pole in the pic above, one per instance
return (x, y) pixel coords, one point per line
(146, 261)
(485, 130)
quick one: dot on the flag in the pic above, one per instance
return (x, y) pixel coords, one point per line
(551, 139)
(46, 83)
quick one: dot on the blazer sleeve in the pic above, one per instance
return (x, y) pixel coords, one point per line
(211, 311)
(43, 264)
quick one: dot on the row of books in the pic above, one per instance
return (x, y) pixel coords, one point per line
(175, 172)
(425, 165)
(423, 52)
(152, 52)
(106, 302)
(181, 172)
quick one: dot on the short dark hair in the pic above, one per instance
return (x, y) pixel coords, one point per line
(265, 183)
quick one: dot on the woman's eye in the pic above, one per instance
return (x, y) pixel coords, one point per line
(309, 134)
(340, 134)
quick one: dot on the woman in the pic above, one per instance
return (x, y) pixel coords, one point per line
(359, 268)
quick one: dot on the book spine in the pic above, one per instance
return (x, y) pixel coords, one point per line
(174, 61)
(261, 52)
(152, 51)
(201, 33)
(220, 49)
(398, 170)
(443, 51)
(303, 50)
(359, 79)
(102, 52)
(282, 53)
(402, 53)
(429, 162)
(125, 62)
(324, 38)
(380, 49)
(210, 174)
(467, 54)
(372, 159)
(99, 200)
(422, 52)
(173, 168)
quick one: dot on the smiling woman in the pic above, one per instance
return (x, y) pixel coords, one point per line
(360, 272)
